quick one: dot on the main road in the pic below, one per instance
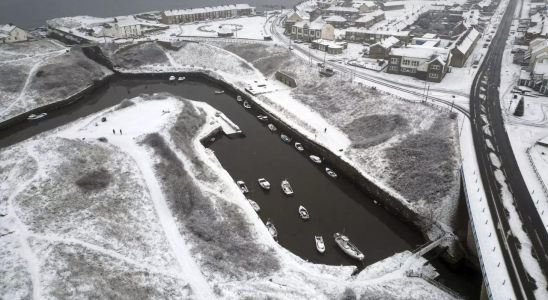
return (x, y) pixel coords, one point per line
(488, 78)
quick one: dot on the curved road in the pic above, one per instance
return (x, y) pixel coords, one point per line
(489, 77)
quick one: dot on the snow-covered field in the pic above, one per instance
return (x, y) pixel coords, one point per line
(88, 213)
(244, 28)
(33, 74)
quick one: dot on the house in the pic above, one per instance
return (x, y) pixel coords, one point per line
(11, 34)
(365, 6)
(336, 21)
(127, 27)
(309, 31)
(428, 40)
(365, 21)
(286, 78)
(349, 13)
(429, 64)
(392, 5)
(538, 50)
(537, 78)
(326, 3)
(177, 16)
(463, 47)
(373, 36)
(328, 46)
(380, 50)
(484, 6)
(298, 16)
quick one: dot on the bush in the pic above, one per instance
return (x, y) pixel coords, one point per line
(94, 180)
(125, 103)
(368, 131)
(520, 108)
(453, 115)
(39, 73)
(103, 139)
(349, 294)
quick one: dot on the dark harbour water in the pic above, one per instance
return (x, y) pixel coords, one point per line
(29, 14)
(334, 204)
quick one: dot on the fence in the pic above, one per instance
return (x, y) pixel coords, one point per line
(225, 40)
(420, 251)
(449, 291)
(536, 172)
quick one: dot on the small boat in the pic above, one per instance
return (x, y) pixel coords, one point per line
(285, 138)
(287, 188)
(182, 79)
(331, 173)
(219, 92)
(264, 184)
(246, 104)
(316, 159)
(254, 205)
(171, 78)
(304, 213)
(272, 229)
(34, 117)
(348, 247)
(242, 186)
(262, 118)
(319, 244)
(299, 146)
(272, 127)
(239, 98)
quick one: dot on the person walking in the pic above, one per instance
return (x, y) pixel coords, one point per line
(113, 131)
(120, 131)
(325, 130)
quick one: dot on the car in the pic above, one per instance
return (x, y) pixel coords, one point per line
(298, 41)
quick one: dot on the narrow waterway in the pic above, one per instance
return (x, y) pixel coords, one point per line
(333, 203)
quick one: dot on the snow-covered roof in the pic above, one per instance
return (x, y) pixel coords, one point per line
(127, 22)
(97, 30)
(428, 53)
(430, 36)
(458, 8)
(358, 4)
(365, 19)
(178, 12)
(432, 43)
(225, 30)
(318, 24)
(330, 44)
(389, 42)
(8, 28)
(379, 32)
(342, 9)
(484, 3)
(336, 19)
(393, 3)
(539, 46)
(537, 17)
(540, 68)
(377, 13)
(464, 43)
(525, 75)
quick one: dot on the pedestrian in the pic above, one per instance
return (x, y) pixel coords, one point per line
(113, 131)
(325, 130)
(315, 136)
(120, 131)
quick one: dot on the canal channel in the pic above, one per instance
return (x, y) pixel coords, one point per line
(333, 203)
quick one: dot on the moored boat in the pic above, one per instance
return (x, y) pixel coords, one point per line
(239, 98)
(242, 186)
(331, 172)
(262, 118)
(272, 127)
(271, 229)
(286, 188)
(246, 104)
(219, 92)
(182, 78)
(304, 213)
(254, 205)
(264, 184)
(348, 248)
(299, 146)
(319, 244)
(316, 159)
(285, 138)
(171, 78)
(34, 117)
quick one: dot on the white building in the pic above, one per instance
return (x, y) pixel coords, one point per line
(119, 28)
(177, 16)
(309, 31)
(12, 34)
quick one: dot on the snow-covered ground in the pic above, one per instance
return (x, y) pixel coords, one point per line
(34, 74)
(85, 214)
(244, 28)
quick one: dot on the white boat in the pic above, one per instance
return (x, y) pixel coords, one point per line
(304, 213)
(34, 117)
(262, 118)
(242, 186)
(171, 78)
(272, 127)
(246, 104)
(264, 184)
(348, 247)
(287, 188)
(319, 244)
(219, 92)
(239, 98)
(271, 229)
(331, 173)
(285, 138)
(254, 205)
(316, 159)
(299, 146)
(182, 79)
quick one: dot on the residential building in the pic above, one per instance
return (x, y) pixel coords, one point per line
(309, 31)
(365, 6)
(373, 36)
(392, 6)
(298, 16)
(484, 6)
(328, 46)
(463, 47)
(177, 16)
(429, 64)
(349, 13)
(370, 19)
(537, 78)
(336, 21)
(127, 27)
(11, 34)
(538, 50)
(380, 50)
(326, 3)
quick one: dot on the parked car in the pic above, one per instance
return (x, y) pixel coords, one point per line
(298, 42)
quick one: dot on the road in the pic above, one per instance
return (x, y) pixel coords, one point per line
(488, 77)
